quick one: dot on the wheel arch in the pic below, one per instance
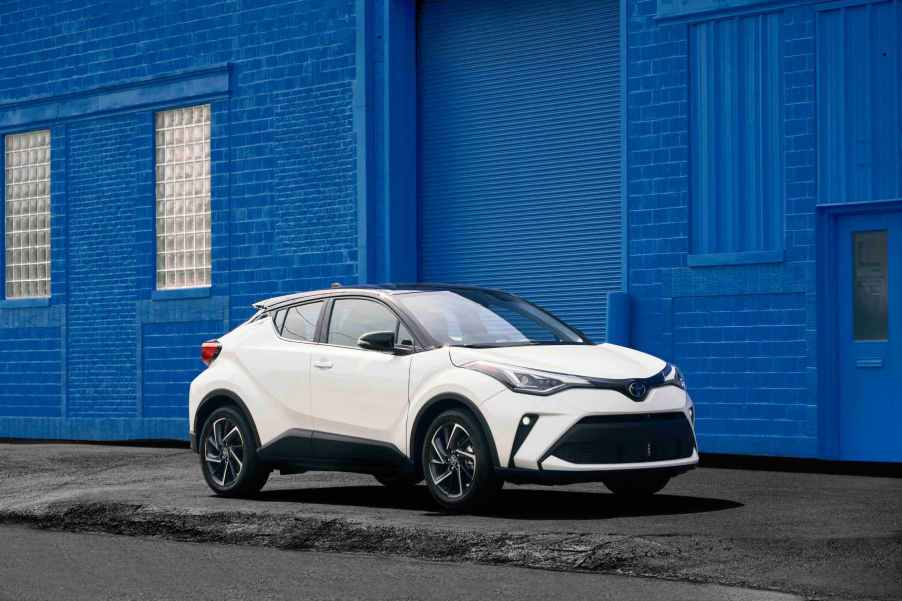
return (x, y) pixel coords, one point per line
(437, 405)
(223, 398)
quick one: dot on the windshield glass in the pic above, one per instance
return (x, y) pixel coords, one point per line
(481, 318)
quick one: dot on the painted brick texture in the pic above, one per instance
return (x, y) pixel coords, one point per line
(743, 334)
(30, 370)
(169, 363)
(285, 214)
(102, 337)
(110, 356)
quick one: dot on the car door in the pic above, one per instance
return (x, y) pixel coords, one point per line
(360, 396)
(277, 356)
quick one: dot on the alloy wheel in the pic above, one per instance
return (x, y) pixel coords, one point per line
(224, 452)
(452, 460)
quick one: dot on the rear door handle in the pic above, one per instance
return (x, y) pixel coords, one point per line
(323, 364)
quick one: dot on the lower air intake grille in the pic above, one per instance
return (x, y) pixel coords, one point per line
(626, 439)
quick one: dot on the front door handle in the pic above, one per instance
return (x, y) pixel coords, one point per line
(323, 364)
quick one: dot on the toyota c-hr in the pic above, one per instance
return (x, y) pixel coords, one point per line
(464, 387)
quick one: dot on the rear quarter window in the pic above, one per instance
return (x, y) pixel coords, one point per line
(278, 319)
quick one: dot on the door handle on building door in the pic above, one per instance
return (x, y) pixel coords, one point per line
(322, 364)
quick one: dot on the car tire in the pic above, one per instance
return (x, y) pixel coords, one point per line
(460, 475)
(228, 455)
(636, 486)
(397, 481)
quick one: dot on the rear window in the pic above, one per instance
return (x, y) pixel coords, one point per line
(300, 321)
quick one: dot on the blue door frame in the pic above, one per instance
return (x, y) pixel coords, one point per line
(828, 323)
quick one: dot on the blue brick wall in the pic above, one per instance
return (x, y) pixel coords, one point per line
(746, 359)
(108, 357)
(30, 370)
(169, 356)
(102, 269)
(743, 333)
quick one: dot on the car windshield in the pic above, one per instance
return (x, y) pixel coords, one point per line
(484, 318)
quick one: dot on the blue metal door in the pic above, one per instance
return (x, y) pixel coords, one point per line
(519, 150)
(869, 294)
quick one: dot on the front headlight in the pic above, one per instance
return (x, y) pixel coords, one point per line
(675, 377)
(528, 381)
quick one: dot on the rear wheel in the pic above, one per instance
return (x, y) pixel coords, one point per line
(457, 463)
(636, 485)
(228, 455)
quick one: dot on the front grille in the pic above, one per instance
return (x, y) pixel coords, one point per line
(626, 439)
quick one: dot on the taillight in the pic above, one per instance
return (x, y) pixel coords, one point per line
(209, 350)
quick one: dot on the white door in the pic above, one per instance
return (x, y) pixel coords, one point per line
(356, 392)
(277, 356)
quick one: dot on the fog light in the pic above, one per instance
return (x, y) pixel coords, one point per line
(526, 421)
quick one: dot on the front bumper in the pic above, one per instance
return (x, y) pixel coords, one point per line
(553, 476)
(585, 434)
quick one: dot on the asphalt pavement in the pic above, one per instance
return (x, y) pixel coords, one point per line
(45, 566)
(816, 535)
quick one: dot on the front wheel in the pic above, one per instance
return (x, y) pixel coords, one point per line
(636, 486)
(457, 463)
(228, 455)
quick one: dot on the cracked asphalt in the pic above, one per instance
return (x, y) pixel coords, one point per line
(814, 535)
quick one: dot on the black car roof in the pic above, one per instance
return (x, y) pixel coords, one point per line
(368, 290)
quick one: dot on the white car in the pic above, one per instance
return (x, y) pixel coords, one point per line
(464, 387)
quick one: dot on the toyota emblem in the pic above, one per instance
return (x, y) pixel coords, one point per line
(637, 390)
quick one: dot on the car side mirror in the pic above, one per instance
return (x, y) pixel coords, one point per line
(377, 341)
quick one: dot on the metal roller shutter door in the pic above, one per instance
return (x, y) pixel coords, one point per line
(519, 150)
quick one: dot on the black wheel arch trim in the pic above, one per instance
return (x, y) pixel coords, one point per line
(471, 406)
(223, 392)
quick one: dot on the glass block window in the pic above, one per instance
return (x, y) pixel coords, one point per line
(183, 197)
(27, 204)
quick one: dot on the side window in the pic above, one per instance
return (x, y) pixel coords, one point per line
(352, 318)
(300, 322)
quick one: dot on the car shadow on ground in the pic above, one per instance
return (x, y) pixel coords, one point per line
(513, 502)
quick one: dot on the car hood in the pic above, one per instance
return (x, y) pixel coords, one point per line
(594, 361)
